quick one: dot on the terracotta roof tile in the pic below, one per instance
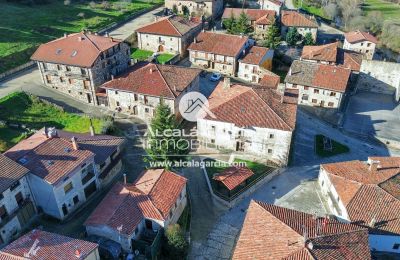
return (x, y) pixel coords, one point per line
(270, 80)
(50, 246)
(251, 106)
(255, 55)
(330, 77)
(79, 49)
(272, 232)
(358, 36)
(218, 43)
(155, 80)
(277, 2)
(327, 52)
(233, 176)
(258, 16)
(10, 172)
(171, 26)
(296, 19)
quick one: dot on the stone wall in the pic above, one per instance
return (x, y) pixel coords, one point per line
(206, 8)
(380, 77)
(365, 47)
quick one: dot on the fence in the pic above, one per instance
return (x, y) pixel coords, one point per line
(12, 72)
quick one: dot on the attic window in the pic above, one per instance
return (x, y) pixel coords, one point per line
(58, 51)
(23, 160)
(242, 109)
(74, 53)
(50, 162)
(67, 150)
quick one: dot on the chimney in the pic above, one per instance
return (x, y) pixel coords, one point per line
(373, 222)
(194, 40)
(112, 76)
(227, 82)
(151, 70)
(107, 34)
(96, 33)
(51, 132)
(373, 164)
(77, 252)
(65, 35)
(124, 178)
(80, 39)
(203, 30)
(74, 143)
(241, 35)
(91, 127)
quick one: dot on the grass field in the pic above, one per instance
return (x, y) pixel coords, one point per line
(23, 27)
(337, 148)
(390, 11)
(19, 108)
(142, 55)
(309, 8)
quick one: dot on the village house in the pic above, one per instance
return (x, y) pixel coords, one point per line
(77, 64)
(39, 245)
(260, 20)
(255, 64)
(319, 85)
(171, 34)
(140, 90)
(232, 179)
(137, 211)
(218, 52)
(271, 232)
(302, 22)
(361, 42)
(261, 128)
(367, 194)
(274, 5)
(65, 171)
(16, 205)
(206, 8)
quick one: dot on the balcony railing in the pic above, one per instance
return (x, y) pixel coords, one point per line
(88, 177)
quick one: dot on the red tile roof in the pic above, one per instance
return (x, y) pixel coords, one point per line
(270, 80)
(277, 2)
(272, 232)
(79, 49)
(312, 74)
(155, 80)
(50, 246)
(351, 60)
(10, 172)
(218, 43)
(251, 106)
(369, 193)
(327, 52)
(255, 55)
(258, 16)
(296, 19)
(152, 195)
(171, 26)
(233, 176)
(358, 36)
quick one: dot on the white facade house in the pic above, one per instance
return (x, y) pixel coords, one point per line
(244, 127)
(140, 90)
(218, 52)
(256, 63)
(361, 42)
(153, 205)
(207, 8)
(319, 85)
(364, 193)
(274, 5)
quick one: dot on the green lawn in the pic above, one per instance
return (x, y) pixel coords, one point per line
(20, 108)
(310, 8)
(337, 148)
(23, 27)
(390, 11)
(142, 55)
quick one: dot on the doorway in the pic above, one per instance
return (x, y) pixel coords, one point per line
(149, 224)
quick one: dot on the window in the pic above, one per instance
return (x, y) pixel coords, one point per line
(213, 141)
(71, 81)
(14, 185)
(1, 196)
(116, 92)
(135, 97)
(213, 128)
(294, 86)
(269, 151)
(316, 91)
(68, 187)
(76, 199)
(117, 103)
(58, 67)
(86, 84)
(146, 110)
(333, 94)
(19, 198)
(396, 246)
(170, 214)
(3, 212)
(48, 78)
(306, 88)
(314, 100)
(83, 71)
(68, 68)
(330, 104)
(271, 136)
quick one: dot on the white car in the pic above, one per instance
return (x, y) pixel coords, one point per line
(215, 76)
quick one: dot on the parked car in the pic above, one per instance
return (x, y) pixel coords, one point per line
(215, 76)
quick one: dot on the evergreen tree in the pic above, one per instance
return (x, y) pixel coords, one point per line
(175, 9)
(308, 39)
(229, 24)
(185, 11)
(243, 25)
(162, 145)
(273, 37)
(292, 36)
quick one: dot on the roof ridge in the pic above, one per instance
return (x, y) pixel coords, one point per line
(94, 44)
(163, 78)
(176, 29)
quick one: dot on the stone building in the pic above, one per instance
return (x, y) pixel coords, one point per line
(366, 194)
(65, 171)
(38, 244)
(318, 84)
(218, 52)
(171, 34)
(361, 42)
(260, 20)
(153, 201)
(274, 5)
(206, 8)
(380, 77)
(77, 64)
(262, 128)
(16, 201)
(255, 63)
(302, 22)
(140, 90)
(271, 232)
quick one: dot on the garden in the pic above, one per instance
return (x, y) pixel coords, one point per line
(326, 147)
(143, 55)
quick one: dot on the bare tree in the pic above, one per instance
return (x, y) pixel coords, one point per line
(331, 10)
(350, 9)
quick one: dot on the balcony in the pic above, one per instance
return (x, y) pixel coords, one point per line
(88, 177)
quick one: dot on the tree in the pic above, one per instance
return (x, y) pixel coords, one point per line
(175, 9)
(185, 10)
(175, 245)
(350, 9)
(243, 24)
(273, 37)
(162, 145)
(229, 23)
(331, 10)
(308, 39)
(292, 36)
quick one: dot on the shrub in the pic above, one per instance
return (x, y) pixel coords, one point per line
(175, 245)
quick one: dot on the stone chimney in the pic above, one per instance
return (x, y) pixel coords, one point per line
(111, 39)
(227, 82)
(107, 34)
(65, 35)
(74, 143)
(51, 132)
(194, 40)
(373, 164)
